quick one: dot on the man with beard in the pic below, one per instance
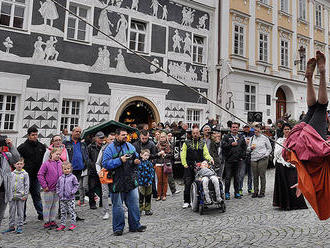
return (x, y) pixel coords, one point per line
(121, 159)
(193, 151)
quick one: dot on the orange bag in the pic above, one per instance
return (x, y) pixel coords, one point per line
(105, 177)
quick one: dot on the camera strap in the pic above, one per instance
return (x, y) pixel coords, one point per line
(4, 155)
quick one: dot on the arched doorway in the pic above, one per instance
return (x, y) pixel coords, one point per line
(280, 103)
(137, 110)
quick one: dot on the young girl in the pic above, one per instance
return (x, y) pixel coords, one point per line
(48, 176)
(66, 188)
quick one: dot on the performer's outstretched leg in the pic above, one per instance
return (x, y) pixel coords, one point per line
(323, 94)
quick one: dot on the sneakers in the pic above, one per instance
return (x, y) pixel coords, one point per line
(261, 195)
(140, 229)
(227, 196)
(72, 227)
(93, 207)
(61, 228)
(81, 203)
(106, 216)
(79, 219)
(250, 191)
(254, 195)
(148, 212)
(238, 196)
(176, 192)
(118, 233)
(53, 224)
(10, 229)
(240, 192)
(19, 230)
(47, 225)
(40, 217)
(185, 205)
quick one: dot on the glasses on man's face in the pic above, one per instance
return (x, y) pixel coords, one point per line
(57, 140)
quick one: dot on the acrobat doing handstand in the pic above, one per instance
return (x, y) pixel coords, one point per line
(307, 145)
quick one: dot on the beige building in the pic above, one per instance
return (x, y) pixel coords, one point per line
(261, 67)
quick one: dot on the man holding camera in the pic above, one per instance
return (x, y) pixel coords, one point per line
(33, 153)
(121, 159)
(6, 158)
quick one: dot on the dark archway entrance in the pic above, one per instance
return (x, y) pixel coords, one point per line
(137, 112)
(280, 103)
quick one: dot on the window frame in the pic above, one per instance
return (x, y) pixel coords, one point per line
(243, 40)
(287, 54)
(191, 122)
(26, 19)
(302, 10)
(204, 47)
(147, 46)
(4, 112)
(89, 18)
(69, 115)
(264, 34)
(284, 6)
(250, 94)
(318, 15)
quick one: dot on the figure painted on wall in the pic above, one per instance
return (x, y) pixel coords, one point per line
(121, 29)
(155, 62)
(192, 74)
(200, 98)
(102, 62)
(104, 24)
(202, 22)
(121, 66)
(48, 11)
(155, 5)
(135, 5)
(39, 53)
(204, 75)
(187, 16)
(187, 44)
(50, 51)
(8, 43)
(176, 41)
(165, 13)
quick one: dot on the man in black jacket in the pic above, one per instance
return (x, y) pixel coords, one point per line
(94, 185)
(146, 143)
(33, 152)
(234, 150)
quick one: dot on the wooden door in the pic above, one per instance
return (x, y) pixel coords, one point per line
(280, 104)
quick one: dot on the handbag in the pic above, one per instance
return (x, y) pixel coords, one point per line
(167, 168)
(105, 176)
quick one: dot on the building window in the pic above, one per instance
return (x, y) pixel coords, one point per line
(264, 1)
(250, 97)
(71, 113)
(263, 47)
(138, 36)
(193, 117)
(8, 108)
(76, 28)
(199, 49)
(318, 15)
(239, 40)
(302, 9)
(13, 13)
(284, 53)
(285, 6)
(268, 100)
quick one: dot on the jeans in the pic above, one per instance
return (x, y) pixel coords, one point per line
(249, 173)
(232, 170)
(131, 199)
(35, 194)
(188, 178)
(241, 171)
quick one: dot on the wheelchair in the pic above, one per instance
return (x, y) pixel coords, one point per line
(197, 197)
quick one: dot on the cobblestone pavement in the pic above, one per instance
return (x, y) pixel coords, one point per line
(247, 223)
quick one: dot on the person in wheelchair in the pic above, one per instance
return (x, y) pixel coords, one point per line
(205, 174)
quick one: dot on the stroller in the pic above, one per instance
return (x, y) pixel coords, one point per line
(197, 196)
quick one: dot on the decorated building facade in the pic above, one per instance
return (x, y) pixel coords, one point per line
(57, 72)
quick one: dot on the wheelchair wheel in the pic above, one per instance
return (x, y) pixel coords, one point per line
(194, 197)
(201, 209)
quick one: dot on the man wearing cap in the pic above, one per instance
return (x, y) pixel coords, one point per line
(94, 185)
(207, 135)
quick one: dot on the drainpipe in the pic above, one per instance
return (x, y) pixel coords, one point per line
(219, 54)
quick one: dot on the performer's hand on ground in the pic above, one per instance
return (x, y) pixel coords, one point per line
(298, 191)
(320, 60)
(311, 64)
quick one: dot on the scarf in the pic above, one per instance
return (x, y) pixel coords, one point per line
(164, 146)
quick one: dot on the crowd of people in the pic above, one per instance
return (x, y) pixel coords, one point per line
(135, 167)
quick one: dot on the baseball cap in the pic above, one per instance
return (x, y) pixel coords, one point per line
(100, 135)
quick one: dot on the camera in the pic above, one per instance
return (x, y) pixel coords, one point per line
(129, 156)
(3, 140)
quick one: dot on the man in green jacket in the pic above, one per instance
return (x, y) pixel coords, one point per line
(193, 151)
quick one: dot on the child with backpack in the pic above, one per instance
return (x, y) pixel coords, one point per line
(48, 175)
(66, 188)
(146, 174)
(19, 193)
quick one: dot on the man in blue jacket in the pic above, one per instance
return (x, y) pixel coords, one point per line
(122, 160)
